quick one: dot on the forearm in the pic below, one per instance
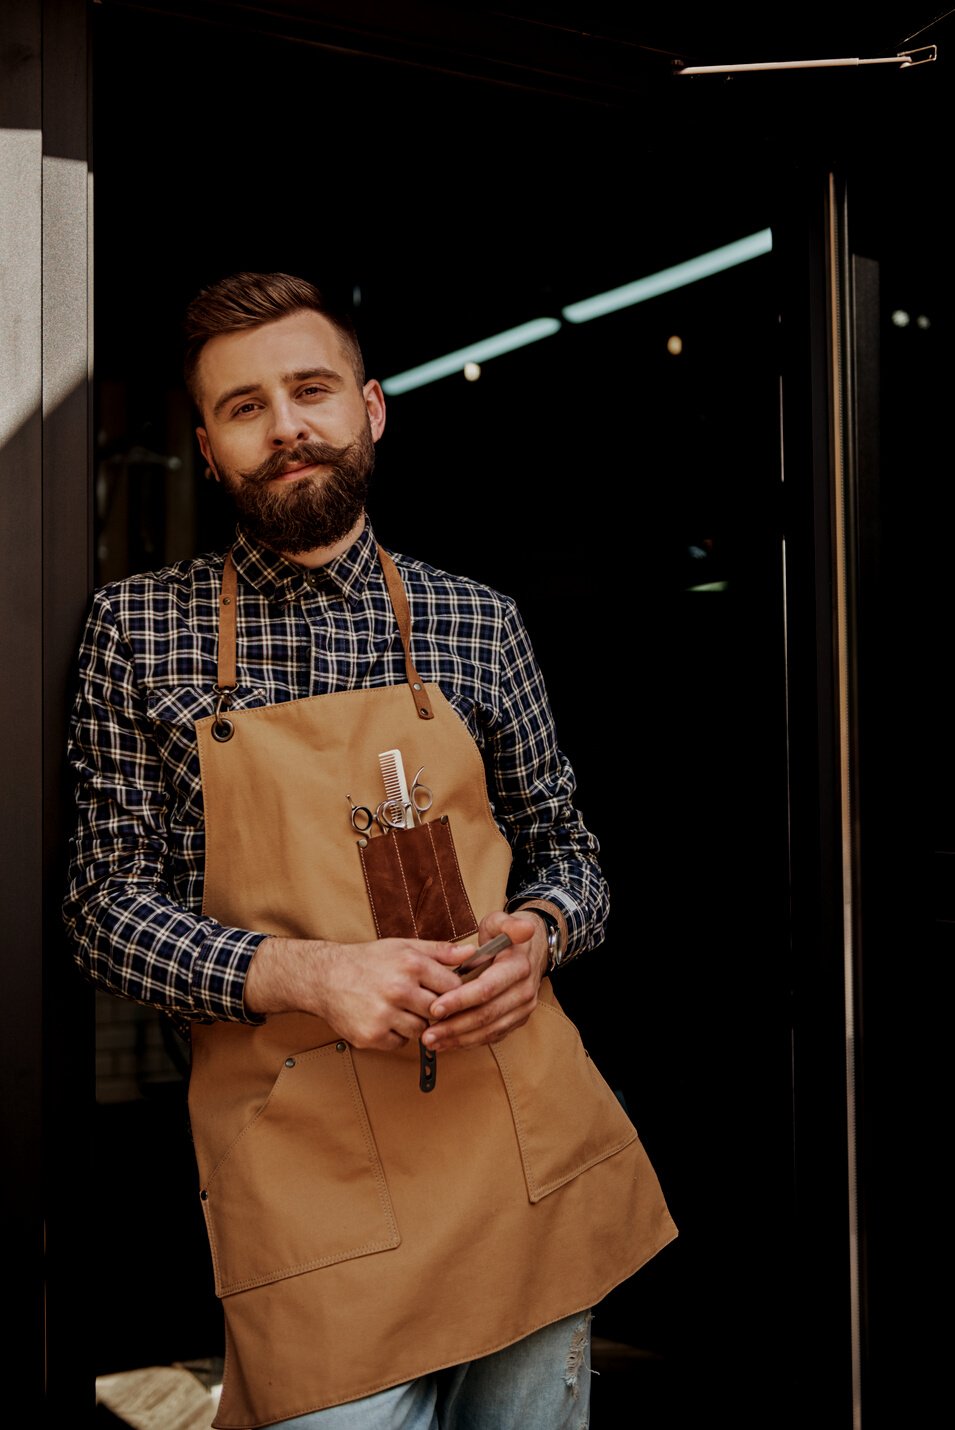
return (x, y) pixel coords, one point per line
(555, 856)
(288, 975)
(556, 863)
(375, 995)
(140, 944)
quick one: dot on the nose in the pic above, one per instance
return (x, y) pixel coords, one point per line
(288, 425)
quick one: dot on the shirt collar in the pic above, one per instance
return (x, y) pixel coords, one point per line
(281, 580)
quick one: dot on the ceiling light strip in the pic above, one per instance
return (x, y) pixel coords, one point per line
(477, 352)
(705, 264)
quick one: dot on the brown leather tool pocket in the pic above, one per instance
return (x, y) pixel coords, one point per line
(302, 1185)
(566, 1116)
(414, 883)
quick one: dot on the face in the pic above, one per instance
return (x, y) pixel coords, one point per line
(290, 433)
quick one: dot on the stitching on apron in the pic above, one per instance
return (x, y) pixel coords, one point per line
(444, 892)
(404, 884)
(371, 902)
(457, 870)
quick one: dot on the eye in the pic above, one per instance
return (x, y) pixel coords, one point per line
(244, 409)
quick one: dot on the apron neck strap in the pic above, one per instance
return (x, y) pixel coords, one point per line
(226, 676)
(399, 604)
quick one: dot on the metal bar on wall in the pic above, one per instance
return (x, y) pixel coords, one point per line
(817, 857)
(845, 576)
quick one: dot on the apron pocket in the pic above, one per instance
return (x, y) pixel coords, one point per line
(302, 1185)
(414, 884)
(565, 1115)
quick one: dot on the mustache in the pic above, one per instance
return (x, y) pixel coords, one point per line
(309, 453)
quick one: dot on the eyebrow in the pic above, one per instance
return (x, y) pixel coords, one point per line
(302, 375)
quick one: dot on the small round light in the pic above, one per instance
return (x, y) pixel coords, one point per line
(472, 371)
(675, 345)
(923, 322)
(901, 318)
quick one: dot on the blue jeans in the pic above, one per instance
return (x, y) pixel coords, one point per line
(540, 1383)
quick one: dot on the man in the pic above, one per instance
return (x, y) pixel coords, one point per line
(313, 779)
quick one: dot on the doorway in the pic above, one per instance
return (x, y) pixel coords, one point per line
(620, 477)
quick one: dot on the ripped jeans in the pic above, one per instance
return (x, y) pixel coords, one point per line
(540, 1383)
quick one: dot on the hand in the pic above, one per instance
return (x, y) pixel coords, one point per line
(487, 1007)
(374, 995)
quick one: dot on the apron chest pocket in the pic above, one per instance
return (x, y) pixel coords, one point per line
(302, 1185)
(414, 884)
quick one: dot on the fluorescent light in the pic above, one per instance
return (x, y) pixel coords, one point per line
(477, 352)
(754, 246)
(638, 292)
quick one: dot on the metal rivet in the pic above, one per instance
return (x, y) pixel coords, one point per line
(417, 685)
(444, 819)
(290, 1062)
(424, 710)
(227, 600)
(363, 843)
(204, 1195)
(222, 730)
(340, 1047)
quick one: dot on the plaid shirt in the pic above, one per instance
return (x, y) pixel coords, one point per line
(147, 667)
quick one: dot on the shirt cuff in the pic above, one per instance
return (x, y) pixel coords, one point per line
(218, 975)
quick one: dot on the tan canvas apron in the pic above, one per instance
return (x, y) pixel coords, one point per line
(363, 1232)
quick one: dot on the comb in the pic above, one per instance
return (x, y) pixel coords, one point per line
(396, 787)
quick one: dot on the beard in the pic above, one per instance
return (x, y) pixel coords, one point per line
(313, 512)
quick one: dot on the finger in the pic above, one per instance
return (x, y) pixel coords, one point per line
(518, 927)
(406, 1027)
(509, 969)
(518, 999)
(450, 954)
(470, 1030)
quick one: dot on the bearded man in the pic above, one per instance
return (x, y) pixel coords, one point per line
(314, 780)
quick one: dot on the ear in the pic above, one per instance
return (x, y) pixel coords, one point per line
(375, 407)
(203, 439)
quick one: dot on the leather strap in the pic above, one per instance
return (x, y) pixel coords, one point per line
(399, 604)
(226, 677)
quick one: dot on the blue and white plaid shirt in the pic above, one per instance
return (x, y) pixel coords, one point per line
(147, 668)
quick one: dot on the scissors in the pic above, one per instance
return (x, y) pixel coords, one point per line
(363, 817)
(421, 796)
(389, 813)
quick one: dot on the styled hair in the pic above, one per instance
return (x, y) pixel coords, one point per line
(248, 300)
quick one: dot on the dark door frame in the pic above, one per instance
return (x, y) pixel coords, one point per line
(47, 1049)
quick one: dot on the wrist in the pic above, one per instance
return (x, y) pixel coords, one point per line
(285, 976)
(555, 930)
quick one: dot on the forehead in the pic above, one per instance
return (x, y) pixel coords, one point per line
(270, 353)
